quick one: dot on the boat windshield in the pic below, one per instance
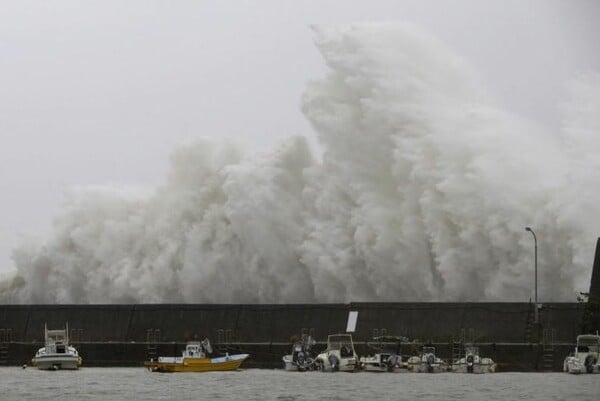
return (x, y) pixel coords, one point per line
(193, 350)
(338, 342)
(428, 350)
(588, 343)
(56, 338)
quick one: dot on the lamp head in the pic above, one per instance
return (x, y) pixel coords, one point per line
(527, 228)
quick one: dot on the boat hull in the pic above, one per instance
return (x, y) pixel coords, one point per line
(417, 364)
(476, 368)
(382, 363)
(57, 362)
(380, 368)
(342, 365)
(231, 362)
(424, 368)
(290, 365)
(578, 368)
(297, 366)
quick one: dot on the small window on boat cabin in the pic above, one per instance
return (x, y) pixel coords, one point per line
(192, 349)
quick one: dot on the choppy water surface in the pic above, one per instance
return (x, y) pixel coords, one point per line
(253, 384)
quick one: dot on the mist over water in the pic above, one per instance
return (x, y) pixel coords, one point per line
(422, 193)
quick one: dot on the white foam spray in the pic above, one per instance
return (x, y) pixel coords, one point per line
(422, 193)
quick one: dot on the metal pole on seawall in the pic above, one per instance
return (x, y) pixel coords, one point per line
(535, 274)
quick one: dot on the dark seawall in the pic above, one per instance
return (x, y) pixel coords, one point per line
(126, 335)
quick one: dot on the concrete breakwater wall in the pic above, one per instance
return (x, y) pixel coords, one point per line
(128, 334)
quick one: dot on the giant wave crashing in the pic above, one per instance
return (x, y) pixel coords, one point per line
(422, 193)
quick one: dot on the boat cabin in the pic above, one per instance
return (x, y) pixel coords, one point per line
(56, 341)
(197, 349)
(193, 351)
(588, 343)
(342, 343)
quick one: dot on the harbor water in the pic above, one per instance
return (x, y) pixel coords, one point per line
(260, 384)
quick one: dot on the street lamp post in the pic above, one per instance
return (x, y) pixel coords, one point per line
(535, 274)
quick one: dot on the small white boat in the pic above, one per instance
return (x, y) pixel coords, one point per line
(57, 353)
(387, 358)
(427, 362)
(381, 362)
(300, 359)
(473, 363)
(339, 355)
(586, 357)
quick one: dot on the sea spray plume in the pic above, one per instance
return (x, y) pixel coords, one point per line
(108, 247)
(423, 193)
(72, 266)
(217, 231)
(428, 186)
(252, 250)
(580, 202)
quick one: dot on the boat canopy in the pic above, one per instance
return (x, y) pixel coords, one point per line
(588, 343)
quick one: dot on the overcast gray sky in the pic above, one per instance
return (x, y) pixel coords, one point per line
(96, 93)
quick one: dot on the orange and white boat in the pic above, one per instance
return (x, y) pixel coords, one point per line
(194, 359)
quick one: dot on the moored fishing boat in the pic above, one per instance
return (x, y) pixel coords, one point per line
(388, 356)
(427, 362)
(586, 357)
(472, 362)
(195, 359)
(339, 355)
(300, 359)
(56, 353)
(381, 362)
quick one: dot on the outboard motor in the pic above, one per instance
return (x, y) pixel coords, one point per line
(470, 359)
(301, 354)
(589, 363)
(297, 351)
(430, 361)
(334, 362)
(300, 359)
(391, 362)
